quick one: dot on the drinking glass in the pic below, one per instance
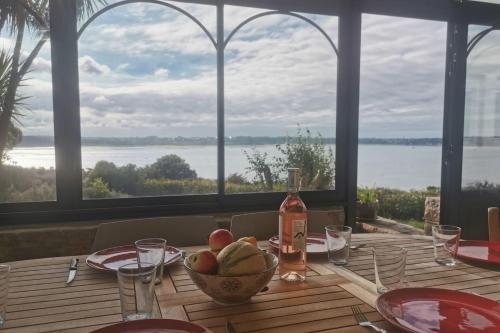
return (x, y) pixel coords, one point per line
(445, 239)
(136, 284)
(152, 250)
(338, 241)
(390, 264)
(4, 291)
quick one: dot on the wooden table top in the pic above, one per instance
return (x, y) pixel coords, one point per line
(39, 301)
(421, 269)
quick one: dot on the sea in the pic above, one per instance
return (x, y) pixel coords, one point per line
(395, 166)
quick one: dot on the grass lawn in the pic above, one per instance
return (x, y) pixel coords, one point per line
(414, 223)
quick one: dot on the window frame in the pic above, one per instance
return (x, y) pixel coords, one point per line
(70, 206)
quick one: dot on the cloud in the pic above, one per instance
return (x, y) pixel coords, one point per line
(402, 77)
(163, 72)
(122, 67)
(41, 64)
(89, 65)
(153, 72)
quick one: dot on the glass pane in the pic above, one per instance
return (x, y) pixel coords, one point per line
(27, 169)
(280, 78)
(481, 156)
(401, 113)
(148, 103)
(481, 151)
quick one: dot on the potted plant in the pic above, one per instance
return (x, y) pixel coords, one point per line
(367, 204)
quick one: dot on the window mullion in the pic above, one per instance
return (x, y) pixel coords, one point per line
(220, 100)
(66, 101)
(348, 106)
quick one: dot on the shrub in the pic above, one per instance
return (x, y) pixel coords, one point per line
(315, 160)
(311, 155)
(96, 188)
(236, 178)
(19, 184)
(170, 167)
(405, 205)
(367, 196)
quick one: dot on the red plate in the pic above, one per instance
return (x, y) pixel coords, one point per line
(316, 243)
(154, 326)
(431, 310)
(482, 251)
(109, 260)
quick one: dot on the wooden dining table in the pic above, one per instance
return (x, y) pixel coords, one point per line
(40, 301)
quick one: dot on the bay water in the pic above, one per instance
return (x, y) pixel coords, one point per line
(394, 166)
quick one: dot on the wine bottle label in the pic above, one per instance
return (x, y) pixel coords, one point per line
(299, 235)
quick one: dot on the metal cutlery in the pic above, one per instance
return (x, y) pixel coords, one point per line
(363, 321)
(432, 246)
(73, 267)
(357, 246)
(230, 328)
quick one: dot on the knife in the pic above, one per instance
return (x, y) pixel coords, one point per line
(73, 267)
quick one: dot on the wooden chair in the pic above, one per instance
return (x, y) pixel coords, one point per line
(264, 225)
(494, 224)
(178, 231)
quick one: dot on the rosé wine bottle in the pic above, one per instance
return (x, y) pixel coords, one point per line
(292, 232)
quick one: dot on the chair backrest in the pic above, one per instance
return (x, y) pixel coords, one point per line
(178, 231)
(264, 225)
(317, 220)
(494, 224)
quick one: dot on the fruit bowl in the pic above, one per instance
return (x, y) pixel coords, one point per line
(233, 289)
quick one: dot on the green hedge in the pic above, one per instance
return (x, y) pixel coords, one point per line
(404, 205)
(29, 184)
(152, 187)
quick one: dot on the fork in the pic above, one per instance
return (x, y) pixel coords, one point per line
(363, 321)
(230, 328)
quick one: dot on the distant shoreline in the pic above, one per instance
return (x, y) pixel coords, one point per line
(47, 141)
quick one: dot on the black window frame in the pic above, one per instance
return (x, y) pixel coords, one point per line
(70, 206)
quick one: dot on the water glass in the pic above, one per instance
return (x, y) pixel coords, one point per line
(4, 291)
(390, 265)
(152, 250)
(338, 241)
(136, 284)
(446, 238)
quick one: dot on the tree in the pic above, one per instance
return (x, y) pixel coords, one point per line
(122, 179)
(170, 167)
(311, 155)
(19, 17)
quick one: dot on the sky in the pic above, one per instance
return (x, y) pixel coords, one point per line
(147, 70)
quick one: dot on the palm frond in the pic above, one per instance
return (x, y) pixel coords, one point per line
(12, 15)
(86, 8)
(5, 77)
(38, 15)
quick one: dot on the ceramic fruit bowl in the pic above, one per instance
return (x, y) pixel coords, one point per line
(233, 289)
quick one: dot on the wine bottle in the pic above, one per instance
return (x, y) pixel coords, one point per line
(293, 232)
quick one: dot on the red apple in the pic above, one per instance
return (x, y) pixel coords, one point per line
(219, 239)
(203, 261)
